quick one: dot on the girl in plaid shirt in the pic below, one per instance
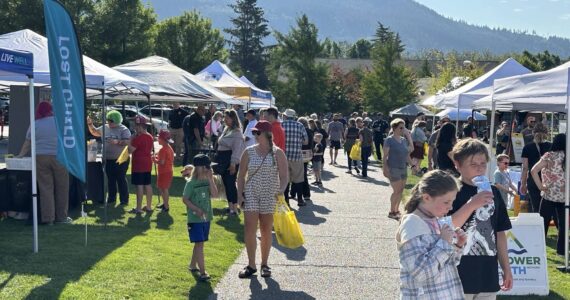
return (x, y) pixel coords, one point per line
(430, 249)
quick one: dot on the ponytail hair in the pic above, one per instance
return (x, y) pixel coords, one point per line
(434, 183)
(269, 137)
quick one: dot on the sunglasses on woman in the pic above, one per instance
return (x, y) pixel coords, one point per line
(257, 132)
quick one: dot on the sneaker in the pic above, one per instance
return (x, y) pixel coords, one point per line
(164, 209)
(357, 170)
(160, 205)
(315, 183)
(307, 199)
(301, 202)
(67, 220)
(320, 183)
(349, 172)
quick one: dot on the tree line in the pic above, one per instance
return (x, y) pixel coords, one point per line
(119, 31)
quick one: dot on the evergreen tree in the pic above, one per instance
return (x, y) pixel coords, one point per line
(246, 42)
(389, 85)
(425, 71)
(360, 49)
(299, 49)
(190, 42)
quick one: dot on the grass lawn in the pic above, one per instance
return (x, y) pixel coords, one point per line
(559, 287)
(134, 257)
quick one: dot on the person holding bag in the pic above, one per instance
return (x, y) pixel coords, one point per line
(263, 176)
(230, 149)
(350, 136)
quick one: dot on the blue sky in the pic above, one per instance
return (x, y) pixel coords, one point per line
(546, 17)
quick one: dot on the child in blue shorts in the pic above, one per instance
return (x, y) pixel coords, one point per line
(196, 197)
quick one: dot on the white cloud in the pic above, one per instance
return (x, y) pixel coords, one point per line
(503, 1)
(554, 0)
(564, 17)
(518, 10)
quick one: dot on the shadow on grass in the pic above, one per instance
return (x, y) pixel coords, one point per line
(63, 257)
(230, 223)
(163, 220)
(200, 289)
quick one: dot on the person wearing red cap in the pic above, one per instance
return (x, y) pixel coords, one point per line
(141, 148)
(164, 160)
(267, 176)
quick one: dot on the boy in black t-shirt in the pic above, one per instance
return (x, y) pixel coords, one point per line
(486, 228)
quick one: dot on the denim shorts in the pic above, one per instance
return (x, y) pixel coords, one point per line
(199, 232)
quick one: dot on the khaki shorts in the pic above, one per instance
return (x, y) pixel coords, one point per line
(296, 171)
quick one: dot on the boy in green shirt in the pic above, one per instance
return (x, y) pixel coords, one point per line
(197, 198)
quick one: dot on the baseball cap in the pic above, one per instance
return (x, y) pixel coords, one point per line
(262, 126)
(201, 160)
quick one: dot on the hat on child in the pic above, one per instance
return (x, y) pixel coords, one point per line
(201, 160)
(165, 135)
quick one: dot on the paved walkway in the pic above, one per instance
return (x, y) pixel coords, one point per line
(349, 251)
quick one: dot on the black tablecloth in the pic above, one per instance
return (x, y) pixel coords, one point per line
(95, 182)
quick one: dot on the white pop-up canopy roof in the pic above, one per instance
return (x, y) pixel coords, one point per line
(169, 82)
(97, 75)
(464, 96)
(461, 115)
(222, 77)
(411, 110)
(544, 91)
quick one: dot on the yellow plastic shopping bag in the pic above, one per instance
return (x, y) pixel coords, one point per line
(355, 151)
(124, 156)
(287, 229)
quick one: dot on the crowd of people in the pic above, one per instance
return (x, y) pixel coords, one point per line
(261, 154)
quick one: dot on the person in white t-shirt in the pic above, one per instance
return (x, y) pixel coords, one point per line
(251, 122)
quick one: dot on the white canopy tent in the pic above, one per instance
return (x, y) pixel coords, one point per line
(223, 78)
(543, 91)
(169, 82)
(98, 76)
(464, 96)
(411, 110)
(464, 114)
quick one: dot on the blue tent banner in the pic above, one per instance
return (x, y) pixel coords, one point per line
(17, 62)
(67, 87)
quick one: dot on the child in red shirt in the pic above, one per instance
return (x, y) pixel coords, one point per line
(141, 148)
(164, 160)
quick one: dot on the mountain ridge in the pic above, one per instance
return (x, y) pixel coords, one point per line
(420, 27)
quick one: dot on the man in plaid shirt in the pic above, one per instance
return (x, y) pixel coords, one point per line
(295, 138)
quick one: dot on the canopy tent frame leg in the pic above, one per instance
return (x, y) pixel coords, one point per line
(104, 157)
(34, 170)
(564, 268)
